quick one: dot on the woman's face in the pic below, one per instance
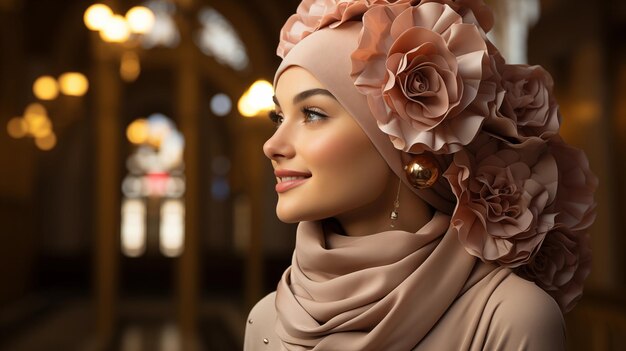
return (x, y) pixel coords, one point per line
(324, 163)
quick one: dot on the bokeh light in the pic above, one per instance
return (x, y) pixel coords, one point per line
(46, 142)
(140, 19)
(130, 66)
(133, 229)
(97, 16)
(172, 228)
(17, 127)
(138, 131)
(40, 127)
(221, 105)
(35, 108)
(37, 120)
(256, 99)
(246, 107)
(46, 88)
(73, 84)
(115, 30)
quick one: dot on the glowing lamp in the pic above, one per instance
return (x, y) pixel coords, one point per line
(96, 16)
(73, 84)
(140, 19)
(46, 88)
(115, 30)
(256, 99)
(17, 127)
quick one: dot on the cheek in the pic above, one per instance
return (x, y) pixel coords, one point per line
(331, 152)
(348, 168)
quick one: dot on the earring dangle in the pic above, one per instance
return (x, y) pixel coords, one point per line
(396, 204)
(422, 171)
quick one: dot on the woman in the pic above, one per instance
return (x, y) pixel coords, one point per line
(429, 180)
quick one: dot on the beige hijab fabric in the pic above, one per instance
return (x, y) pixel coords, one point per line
(385, 291)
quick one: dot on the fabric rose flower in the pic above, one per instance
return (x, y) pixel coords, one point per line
(503, 196)
(312, 15)
(564, 259)
(561, 266)
(529, 108)
(575, 202)
(482, 12)
(420, 67)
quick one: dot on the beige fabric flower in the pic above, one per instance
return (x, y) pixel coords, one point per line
(528, 109)
(313, 15)
(503, 196)
(564, 259)
(420, 67)
(575, 201)
(561, 266)
(478, 8)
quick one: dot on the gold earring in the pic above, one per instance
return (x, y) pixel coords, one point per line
(422, 171)
(396, 204)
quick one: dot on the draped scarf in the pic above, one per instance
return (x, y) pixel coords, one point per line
(384, 291)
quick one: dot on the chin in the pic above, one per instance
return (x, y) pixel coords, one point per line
(290, 216)
(295, 213)
(286, 218)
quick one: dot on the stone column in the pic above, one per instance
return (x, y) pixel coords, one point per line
(187, 112)
(107, 138)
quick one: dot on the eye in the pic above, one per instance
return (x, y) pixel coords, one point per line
(276, 118)
(313, 114)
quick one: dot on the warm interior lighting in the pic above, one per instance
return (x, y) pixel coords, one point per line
(39, 127)
(140, 19)
(172, 228)
(138, 131)
(130, 66)
(35, 108)
(46, 88)
(37, 121)
(133, 227)
(46, 142)
(73, 84)
(245, 106)
(115, 30)
(256, 99)
(17, 127)
(97, 16)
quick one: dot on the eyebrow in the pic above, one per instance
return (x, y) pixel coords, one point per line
(307, 94)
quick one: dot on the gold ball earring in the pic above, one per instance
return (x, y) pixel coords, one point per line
(422, 171)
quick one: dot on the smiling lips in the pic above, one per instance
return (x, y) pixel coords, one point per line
(289, 179)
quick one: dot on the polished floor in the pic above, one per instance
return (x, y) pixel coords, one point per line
(66, 323)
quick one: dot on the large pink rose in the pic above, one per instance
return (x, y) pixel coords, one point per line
(575, 202)
(313, 15)
(503, 194)
(420, 67)
(529, 108)
(564, 259)
(561, 266)
(478, 8)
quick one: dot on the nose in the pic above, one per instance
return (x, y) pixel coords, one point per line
(279, 145)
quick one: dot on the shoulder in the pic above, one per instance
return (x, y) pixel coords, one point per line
(260, 325)
(264, 308)
(525, 315)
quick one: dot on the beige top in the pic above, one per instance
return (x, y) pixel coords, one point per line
(517, 316)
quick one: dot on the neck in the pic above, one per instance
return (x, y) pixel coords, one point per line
(413, 214)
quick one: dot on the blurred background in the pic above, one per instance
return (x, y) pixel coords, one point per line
(137, 207)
